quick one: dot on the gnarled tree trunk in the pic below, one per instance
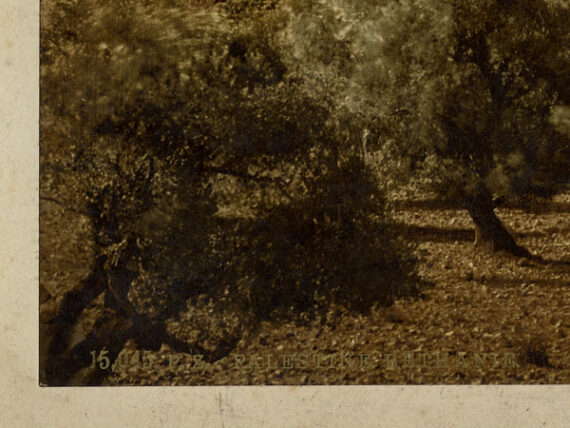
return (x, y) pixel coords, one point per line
(490, 233)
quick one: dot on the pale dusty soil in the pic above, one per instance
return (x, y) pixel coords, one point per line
(495, 318)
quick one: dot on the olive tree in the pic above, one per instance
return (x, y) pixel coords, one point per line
(214, 175)
(472, 94)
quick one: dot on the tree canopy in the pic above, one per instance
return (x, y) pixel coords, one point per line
(212, 172)
(472, 95)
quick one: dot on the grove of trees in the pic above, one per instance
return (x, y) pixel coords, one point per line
(235, 157)
(473, 95)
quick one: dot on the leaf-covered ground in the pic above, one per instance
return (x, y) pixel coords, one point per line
(486, 319)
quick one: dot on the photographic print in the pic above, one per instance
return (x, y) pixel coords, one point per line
(304, 192)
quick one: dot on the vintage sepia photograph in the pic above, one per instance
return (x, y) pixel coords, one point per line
(304, 192)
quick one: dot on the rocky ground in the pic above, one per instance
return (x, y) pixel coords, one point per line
(487, 319)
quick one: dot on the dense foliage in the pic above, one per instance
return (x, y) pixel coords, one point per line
(469, 97)
(472, 93)
(210, 166)
(482, 81)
